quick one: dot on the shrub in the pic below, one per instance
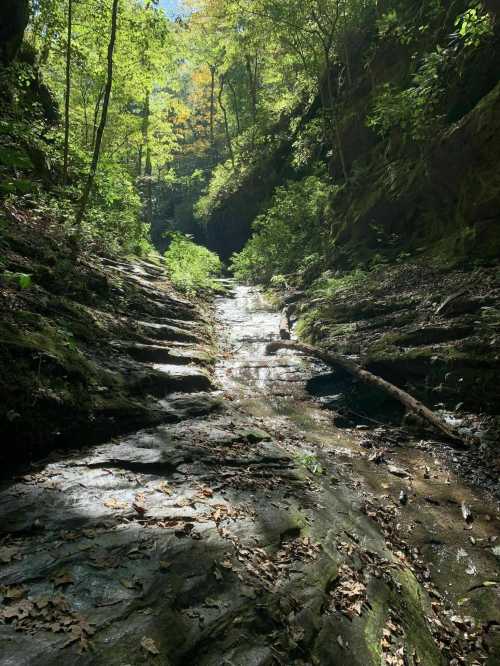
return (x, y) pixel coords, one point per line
(287, 234)
(416, 109)
(191, 267)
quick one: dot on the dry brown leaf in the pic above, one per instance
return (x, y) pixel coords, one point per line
(63, 578)
(114, 504)
(149, 645)
(141, 510)
(8, 554)
(13, 592)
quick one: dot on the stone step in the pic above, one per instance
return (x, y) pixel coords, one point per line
(168, 333)
(162, 379)
(182, 354)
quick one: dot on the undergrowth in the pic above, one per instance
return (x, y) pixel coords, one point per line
(191, 267)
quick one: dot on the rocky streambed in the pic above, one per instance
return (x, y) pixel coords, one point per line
(251, 531)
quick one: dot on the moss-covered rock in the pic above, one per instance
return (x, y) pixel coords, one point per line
(69, 374)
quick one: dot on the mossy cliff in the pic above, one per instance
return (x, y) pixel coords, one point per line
(431, 330)
(91, 347)
(414, 159)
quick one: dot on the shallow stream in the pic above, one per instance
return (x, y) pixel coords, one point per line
(255, 534)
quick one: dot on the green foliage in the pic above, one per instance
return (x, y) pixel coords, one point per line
(224, 181)
(390, 26)
(415, 109)
(311, 462)
(287, 234)
(307, 143)
(191, 267)
(22, 280)
(474, 26)
(200, 106)
(31, 128)
(254, 148)
(322, 292)
(329, 285)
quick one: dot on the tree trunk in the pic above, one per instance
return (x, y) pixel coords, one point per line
(96, 115)
(334, 117)
(67, 93)
(226, 124)
(345, 45)
(100, 130)
(139, 161)
(212, 104)
(148, 167)
(369, 378)
(252, 84)
(235, 106)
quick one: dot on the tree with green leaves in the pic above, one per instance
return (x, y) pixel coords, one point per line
(104, 114)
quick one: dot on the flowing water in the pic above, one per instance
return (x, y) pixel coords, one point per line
(249, 323)
(275, 386)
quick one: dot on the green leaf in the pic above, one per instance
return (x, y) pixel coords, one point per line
(24, 280)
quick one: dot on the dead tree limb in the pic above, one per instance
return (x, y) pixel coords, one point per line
(369, 378)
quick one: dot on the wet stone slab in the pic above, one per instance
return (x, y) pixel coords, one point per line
(252, 533)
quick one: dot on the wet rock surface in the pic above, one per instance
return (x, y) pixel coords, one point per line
(250, 532)
(93, 351)
(432, 331)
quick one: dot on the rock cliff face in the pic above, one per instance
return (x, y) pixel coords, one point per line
(14, 16)
(440, 192)
(431, 331)
(230, 225)
(93, 348)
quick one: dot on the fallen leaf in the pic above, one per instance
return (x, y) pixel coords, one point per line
(114, 504)
(63, 578)
(378, 457)
(471, 570)
(141, 510)
(14, 592)
(17, 611)
(149, 645)
(8, 554)
(398, 471)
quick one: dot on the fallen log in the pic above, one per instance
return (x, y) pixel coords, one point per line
(367, 377)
